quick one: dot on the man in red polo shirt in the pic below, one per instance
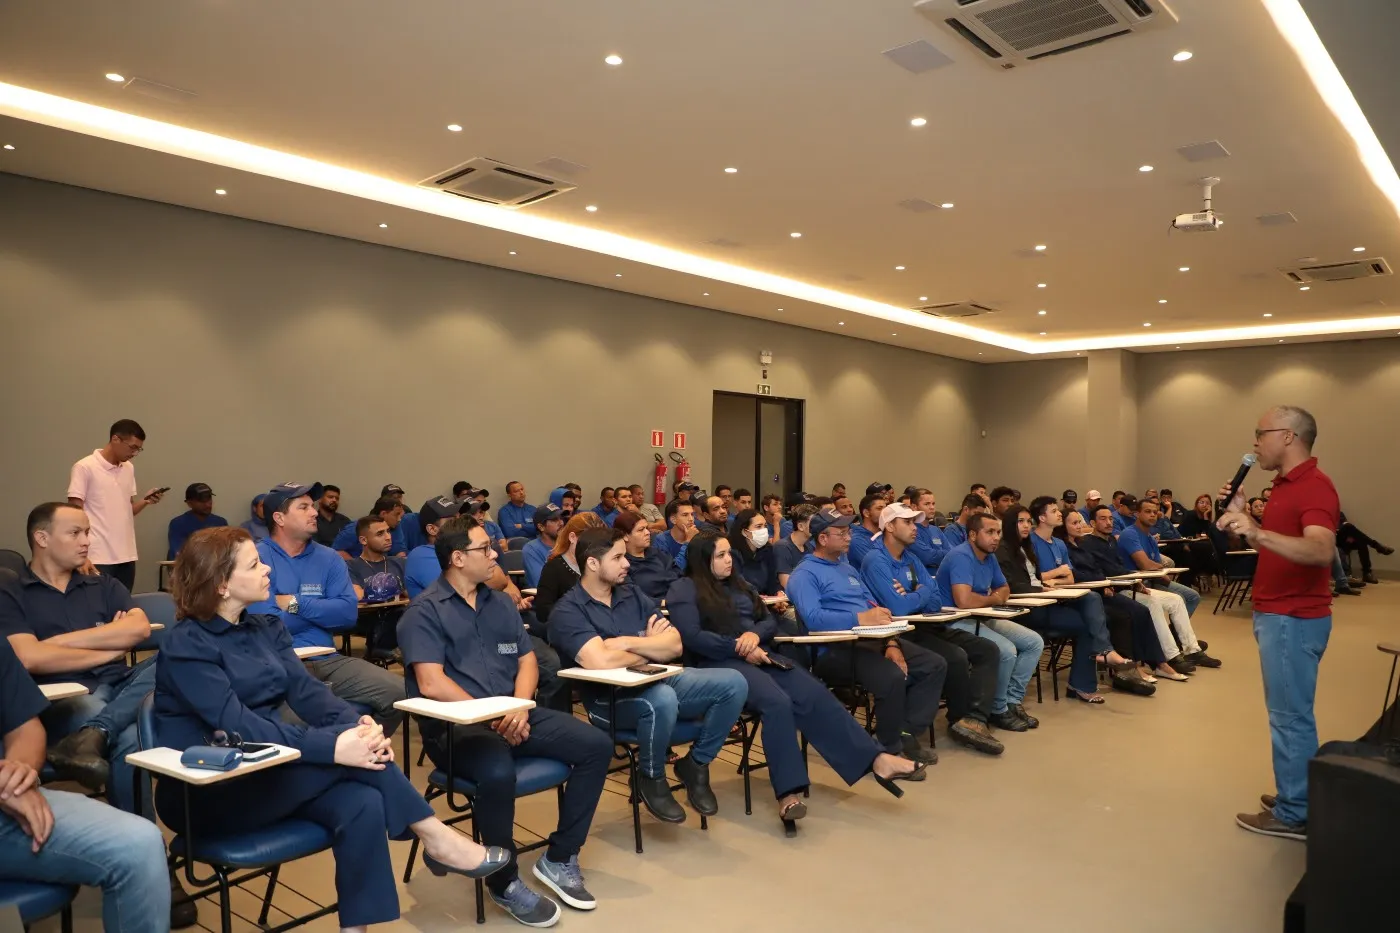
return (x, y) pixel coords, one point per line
(1292, 604)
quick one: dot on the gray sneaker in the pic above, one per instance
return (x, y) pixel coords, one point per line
(529, 908)
(566, 880)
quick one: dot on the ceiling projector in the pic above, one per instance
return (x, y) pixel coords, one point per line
(1205, 219)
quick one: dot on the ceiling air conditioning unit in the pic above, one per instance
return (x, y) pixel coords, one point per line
(1009, 33)
(951, 310)
(1338, 271)
(493, 182)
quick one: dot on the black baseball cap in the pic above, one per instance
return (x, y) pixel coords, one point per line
(1070, 496)
(824, 520)
(438, 509)
(911, 492)
(797, 498)
(389, 490)
(198, 491)
(687, 487)
(549, 511)
(877, 489)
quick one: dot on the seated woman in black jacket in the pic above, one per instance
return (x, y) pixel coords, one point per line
(225, 675)
(560, 572)
(652, 568)
(1129, 623)
(1018, 565)
(722, 623)
(1201, 521)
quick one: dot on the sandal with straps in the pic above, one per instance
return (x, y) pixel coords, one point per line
(790, 814)
(1090, 698)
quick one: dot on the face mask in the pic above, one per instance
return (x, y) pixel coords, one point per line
(759, 537)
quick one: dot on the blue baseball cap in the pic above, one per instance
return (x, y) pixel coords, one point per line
(550, 511)
(824, 520)
(278, 496)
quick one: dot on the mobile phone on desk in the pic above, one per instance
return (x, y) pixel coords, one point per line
(647, 669)
(258, 751)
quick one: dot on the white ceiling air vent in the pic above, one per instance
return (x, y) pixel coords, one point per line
(496, 183)
(1009, 33)
(956, 309)
(1338, 271)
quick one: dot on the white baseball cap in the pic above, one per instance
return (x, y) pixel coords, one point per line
(900, 510)
(1093, 494)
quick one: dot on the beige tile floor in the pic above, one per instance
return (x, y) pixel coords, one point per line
(1115, 817)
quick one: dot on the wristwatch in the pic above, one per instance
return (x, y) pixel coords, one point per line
(293, 606)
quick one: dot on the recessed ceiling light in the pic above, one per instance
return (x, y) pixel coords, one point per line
(1040, 285)
(1040, 312)
(1280, 341)
(1042, 333)
(592, 208)
(947, 205)
(383, 226)
(1268, 315)
(613, 59)
(454, 127)
(1182, 56)
(1178, 348)
(512, 252)
(1147, 324)
(840, 323)
(705, 295)
(1305, 288)
(730, 171)
(780, 309)
(113, 76)
(899, 268)
(1144, 168)
(1358, 249)
(1040, 247)
(1183, 268)
(918, 121)
(795, 235)
(923, 297)
(8, 146)
(220, 192)
(894, 335)
(1161, 301)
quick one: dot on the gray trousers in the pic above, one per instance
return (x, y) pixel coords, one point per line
(361, 683)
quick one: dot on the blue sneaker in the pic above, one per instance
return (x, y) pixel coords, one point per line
(566, 880)
(527, 907)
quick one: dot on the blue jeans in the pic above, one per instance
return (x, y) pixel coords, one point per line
(715, 696)
(92, 844)
(1290, 650)
(1020, 654)
(1188, 595)
(111, 708)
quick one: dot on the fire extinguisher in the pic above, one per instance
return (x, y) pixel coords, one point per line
(658, 493)
(682, 467)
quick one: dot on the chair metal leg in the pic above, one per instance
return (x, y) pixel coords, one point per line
(65, 920)
(267, 898)
(750, 733)
(635, 795)
(1039, 697)
(412, 854)
(478, 883)
(225, 908)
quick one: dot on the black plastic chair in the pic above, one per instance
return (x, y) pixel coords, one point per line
(512, 562)
(159, 608)
(12, 560)
(1237, 571)
(517, 543)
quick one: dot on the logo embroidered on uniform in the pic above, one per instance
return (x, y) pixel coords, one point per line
(853, 581)
(309, 589)
(507, 647)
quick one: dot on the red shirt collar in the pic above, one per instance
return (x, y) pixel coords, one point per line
(1297, 472)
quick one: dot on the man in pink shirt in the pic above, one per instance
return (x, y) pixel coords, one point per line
(104, 486)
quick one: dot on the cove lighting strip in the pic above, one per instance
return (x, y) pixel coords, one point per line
(1291, 21)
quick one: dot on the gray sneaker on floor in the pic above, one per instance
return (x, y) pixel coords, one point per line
(566, 880)
(526, 906)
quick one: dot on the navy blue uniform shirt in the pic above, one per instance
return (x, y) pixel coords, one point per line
(20, 698)
(29, 606)
(654, 571)
(578, 618)
(182, 526)
(759, 568)
(479, 649)
(216, 675)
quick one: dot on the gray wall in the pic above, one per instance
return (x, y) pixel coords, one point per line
(254, 354)
(1035, 416)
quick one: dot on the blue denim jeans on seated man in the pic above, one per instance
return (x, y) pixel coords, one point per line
(111, 708)
(715, 696)
(1290, 650)
(92, 844)
(1020, 650)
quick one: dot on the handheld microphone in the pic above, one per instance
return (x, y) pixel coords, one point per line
(1247, 461)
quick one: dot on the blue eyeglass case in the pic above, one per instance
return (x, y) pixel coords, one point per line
(211, 758)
